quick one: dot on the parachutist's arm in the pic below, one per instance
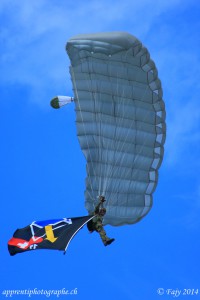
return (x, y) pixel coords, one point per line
(96, 210)
(100, 204)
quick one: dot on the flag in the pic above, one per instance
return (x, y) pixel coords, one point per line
(50, 234)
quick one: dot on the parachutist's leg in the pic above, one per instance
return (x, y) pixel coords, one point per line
(102, 234)
(106, 240)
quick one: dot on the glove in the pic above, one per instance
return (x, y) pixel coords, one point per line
(102, 199)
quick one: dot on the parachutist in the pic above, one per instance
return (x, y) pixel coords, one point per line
(96, 224)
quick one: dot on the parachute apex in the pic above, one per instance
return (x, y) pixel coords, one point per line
(121, 39)
(108, 43)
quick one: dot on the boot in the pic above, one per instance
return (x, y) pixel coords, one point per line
(108, 242)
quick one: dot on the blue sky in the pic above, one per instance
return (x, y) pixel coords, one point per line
(43, 168)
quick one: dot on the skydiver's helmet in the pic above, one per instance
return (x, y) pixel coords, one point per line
(102, 211)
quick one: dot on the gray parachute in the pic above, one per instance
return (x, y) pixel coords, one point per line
(120, 119)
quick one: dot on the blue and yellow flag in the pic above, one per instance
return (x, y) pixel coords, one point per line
(49, 234)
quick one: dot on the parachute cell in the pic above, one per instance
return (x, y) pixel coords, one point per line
(120, 118)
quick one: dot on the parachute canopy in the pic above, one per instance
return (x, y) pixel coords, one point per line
(120, 119)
